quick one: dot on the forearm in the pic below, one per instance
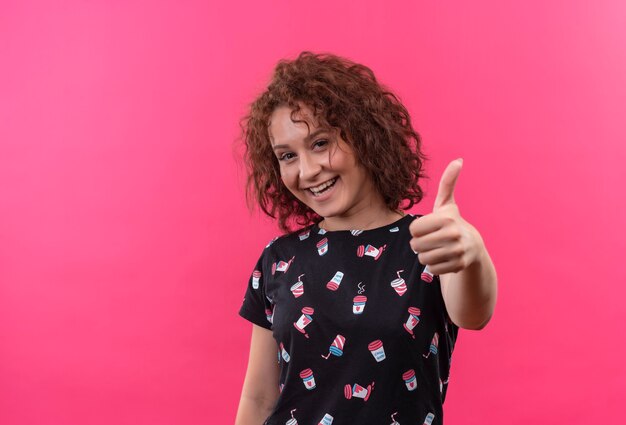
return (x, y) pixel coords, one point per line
(470, 294)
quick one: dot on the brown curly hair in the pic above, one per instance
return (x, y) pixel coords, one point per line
(346, 96)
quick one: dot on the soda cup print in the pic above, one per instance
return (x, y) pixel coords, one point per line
(356, 232)
(427, 276)
(377, 350)
(428, 420)
(322, 246)
(359, 304)
(284, 353)
(336, 348)
(326, 420)
(304, 320)
(293, 420)
(394, 422)
(370, 251)
(434, 344)
(399, 284)
(256, 275)
(334, 283)
(298, 288)
(304, 235)
(413, 320)
(308, 379)
(358, 391)
(409, 379)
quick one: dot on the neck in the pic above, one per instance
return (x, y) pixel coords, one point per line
(364, 221)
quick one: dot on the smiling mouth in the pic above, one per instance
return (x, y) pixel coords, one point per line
(319, 190)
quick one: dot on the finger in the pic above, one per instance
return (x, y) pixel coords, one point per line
(425, 224)
(445, 194)
(439, 256)
(437, 239)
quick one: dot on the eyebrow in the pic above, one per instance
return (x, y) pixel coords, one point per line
(306, 139)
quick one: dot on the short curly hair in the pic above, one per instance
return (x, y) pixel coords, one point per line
(346, 96)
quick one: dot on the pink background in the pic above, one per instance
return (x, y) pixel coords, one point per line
(126, 245)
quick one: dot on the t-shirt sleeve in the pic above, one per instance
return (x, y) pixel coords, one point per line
(256, 307)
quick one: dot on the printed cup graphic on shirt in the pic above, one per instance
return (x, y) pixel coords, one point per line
(399, 284)
(298, 288)
(334, 283)
(321, 231)
(284, 353)
(269, 314)
(256, 275)
(359, 304)
(280, 388)
(394, 422)
(281, 266)
(304, 320)
(308, 379)
(370, 251)
(358, 391)
(304, 235)
(326, 420)
(428, 420)
(322, 246)
(409, 379)
(336, 348)
(293, 420)
(434, 344)
(413, 320)
(377, 350)
(427, 276)
(271, 242)
(394, 229)
(356, 232)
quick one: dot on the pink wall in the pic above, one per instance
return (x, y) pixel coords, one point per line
(125, 244)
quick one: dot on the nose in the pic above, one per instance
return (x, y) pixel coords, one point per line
(309, 167)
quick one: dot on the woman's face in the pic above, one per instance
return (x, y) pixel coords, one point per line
(319, 167)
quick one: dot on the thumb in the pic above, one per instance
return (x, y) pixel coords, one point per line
(445, 195)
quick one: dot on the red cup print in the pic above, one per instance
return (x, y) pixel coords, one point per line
(359, 304)
(256, 275)
(413, 320)
(322, 246)
(377, 350)
(308, 379)
(409, 379)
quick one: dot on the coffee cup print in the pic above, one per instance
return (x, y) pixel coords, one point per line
(428, 420)
(269, 315)
(394, 229)
(358, 391)
(410, 380)
(334, 283)
(326, 420)
(304, 235)
(377, 350)
(336, 348)
(293, 420)
(434, 344)
(321, 231)
(284, 353)
(393, 420)
(281, 266)
(399, 285)
(359, 304)
(322, 246)
(412, 321)
(256, 275)
(298, 288)
(304, 320)
(427, 276)
(308, 379)
(370, 251)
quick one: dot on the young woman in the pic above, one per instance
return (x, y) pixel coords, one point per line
(356, 309)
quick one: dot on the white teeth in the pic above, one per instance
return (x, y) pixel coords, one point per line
(323, 186)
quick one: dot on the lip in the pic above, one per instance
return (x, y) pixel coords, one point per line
(326, 195)
(315, 185)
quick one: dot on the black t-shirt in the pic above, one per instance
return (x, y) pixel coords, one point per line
(362, 332)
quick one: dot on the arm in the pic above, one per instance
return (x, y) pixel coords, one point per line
(260, 386)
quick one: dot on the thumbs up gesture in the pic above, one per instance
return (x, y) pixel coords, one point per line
(443, 240)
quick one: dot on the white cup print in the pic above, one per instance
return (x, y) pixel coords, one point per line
(399, 285)
(326, 420)
(334, 283)
(256, 275)
(304, 320)
(377, 350)
(304, 235)
(359, 304)
(413, 320)
(370, 251)
(308, 379)
(322, 246)
(428, 420)
(293, 420)
(358, 391)
(410, 380)
(269, 314)
(298, 288)
(284, 353)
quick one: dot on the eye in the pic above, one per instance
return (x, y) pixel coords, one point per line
(285, 156)
(320, 143)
